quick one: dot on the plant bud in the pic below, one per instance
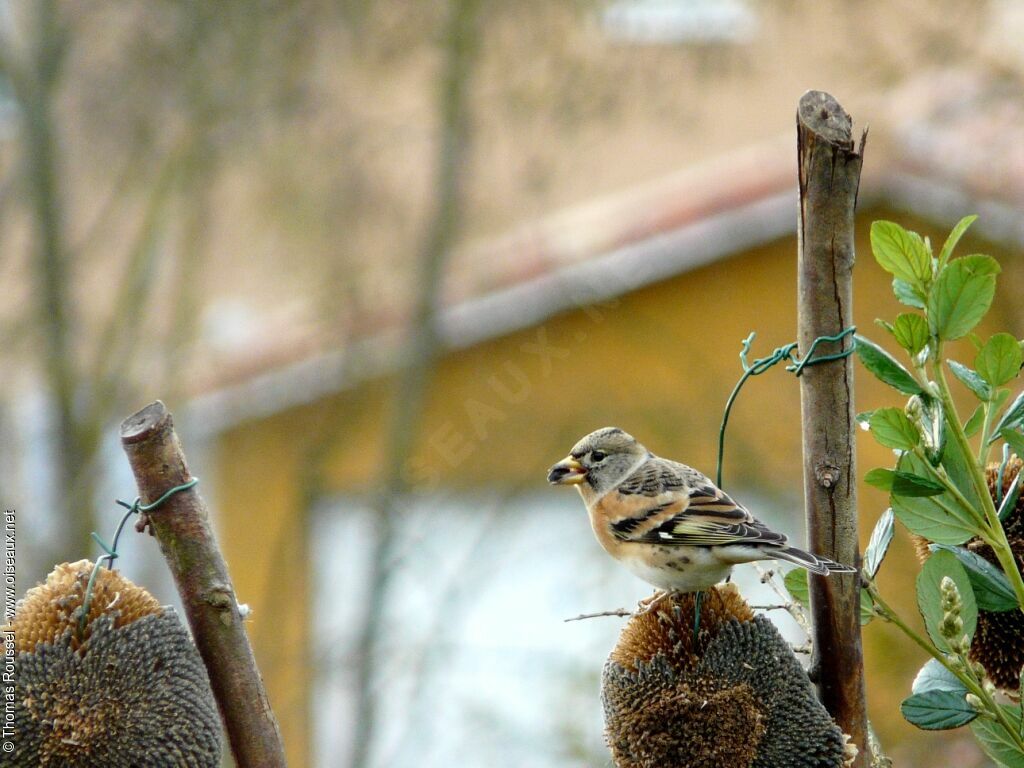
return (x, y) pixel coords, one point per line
(952, 628)
(950, 595)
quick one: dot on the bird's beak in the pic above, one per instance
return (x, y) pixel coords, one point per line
(567, 472)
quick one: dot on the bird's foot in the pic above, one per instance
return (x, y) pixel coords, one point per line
(648, 604)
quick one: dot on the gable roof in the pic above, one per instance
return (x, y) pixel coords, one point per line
(573, 259)
(686, 220)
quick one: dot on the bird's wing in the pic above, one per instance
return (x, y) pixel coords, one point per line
(688, 509)
(694, 530)
(664, 480)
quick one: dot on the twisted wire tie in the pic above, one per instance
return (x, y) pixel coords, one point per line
(759, 366)
(762, 364)
(111, 551)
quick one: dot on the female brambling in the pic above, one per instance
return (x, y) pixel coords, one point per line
(668, 523)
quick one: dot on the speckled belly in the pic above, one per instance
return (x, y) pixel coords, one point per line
(684, 569)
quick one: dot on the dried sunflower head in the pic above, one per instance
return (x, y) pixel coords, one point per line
(998, 643)
(50, 609)
(733, 696)
(125, 687)
(1014, 522)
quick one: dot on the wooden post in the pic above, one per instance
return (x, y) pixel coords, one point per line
(829, 169)
(181, 526)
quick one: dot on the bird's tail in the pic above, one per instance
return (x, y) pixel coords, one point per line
(813, 563)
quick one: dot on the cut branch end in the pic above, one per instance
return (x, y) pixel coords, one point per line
(821, 114)
(143, 424)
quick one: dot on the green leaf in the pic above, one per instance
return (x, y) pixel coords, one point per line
(1014, 439)
(909, 484)
(980, 264)
(903, 483)
(970, 379)
(901, 253)
(796, 584)
(1000, 397)
(937, 710)
(878, 544)
(885, 367)
(976, 421)
(1013, 416)
(992, 589)
(936, 518)
(911, 332)
(959, 468)
(929, 600)
(961, 296)
(954, 238)
(999, 360)
(933, 676)
(908, 294)
(996, 742)
(893, 429)
(864, 419)
(881, 478)
(867, 607)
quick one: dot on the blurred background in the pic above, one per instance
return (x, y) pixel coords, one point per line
(386, 262)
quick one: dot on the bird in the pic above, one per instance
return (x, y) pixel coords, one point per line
(665, 521)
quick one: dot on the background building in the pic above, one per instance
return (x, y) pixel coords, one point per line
(250, 212)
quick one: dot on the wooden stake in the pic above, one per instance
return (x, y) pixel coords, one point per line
(829, 168)
(181, 526)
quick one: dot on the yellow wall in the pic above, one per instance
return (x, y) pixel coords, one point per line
(659, 363)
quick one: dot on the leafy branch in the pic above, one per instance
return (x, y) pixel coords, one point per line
(938, 488)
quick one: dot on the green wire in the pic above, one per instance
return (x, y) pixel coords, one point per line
(758, 367)
(763, 364)
(134, 508)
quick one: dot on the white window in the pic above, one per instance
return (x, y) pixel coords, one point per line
(478, 666)
(679, 21)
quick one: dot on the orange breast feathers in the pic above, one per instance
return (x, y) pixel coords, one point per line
(615, 516)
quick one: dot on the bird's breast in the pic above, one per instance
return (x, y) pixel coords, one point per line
(640, 514)
(682, 568)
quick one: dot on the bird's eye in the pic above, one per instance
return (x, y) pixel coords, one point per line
(597, 456)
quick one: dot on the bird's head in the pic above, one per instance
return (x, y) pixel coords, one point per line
(599, 461)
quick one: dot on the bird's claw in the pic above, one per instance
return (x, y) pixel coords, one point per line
(648, 604)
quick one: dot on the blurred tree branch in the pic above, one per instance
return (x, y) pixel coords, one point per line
(89, 357)
(36, 82)
(460, 46)
(120, 336)
(83, 387)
